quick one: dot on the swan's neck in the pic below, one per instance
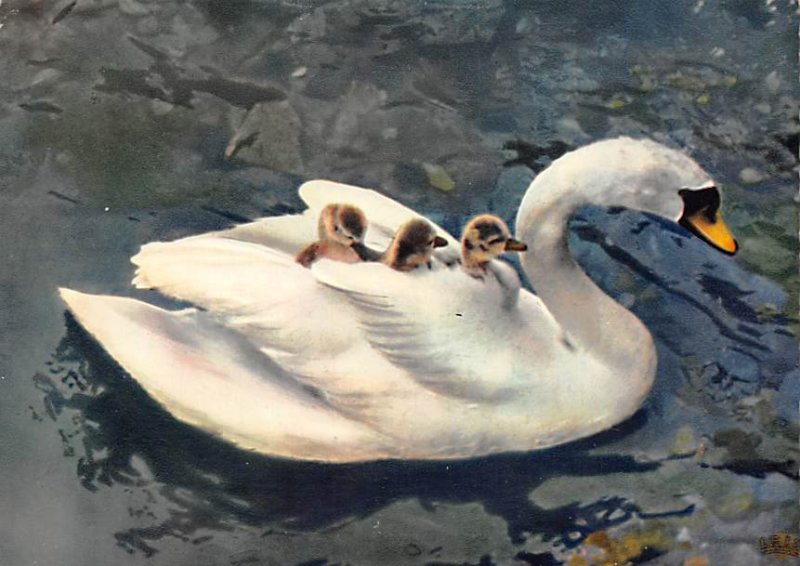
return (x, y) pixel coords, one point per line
(591, 318)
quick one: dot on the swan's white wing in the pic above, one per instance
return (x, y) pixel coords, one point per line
(260, 292)
(309, 329)
(210, 377)
(384, 215)
(448, 329)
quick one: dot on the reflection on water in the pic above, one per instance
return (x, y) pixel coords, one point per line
(195, 484)
(132, 121)
(122, 438)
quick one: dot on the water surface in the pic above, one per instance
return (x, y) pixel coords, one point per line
(116, 121)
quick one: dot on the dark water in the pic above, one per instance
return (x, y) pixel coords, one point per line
(115, 122)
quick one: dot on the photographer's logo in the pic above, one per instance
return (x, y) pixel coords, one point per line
(781, 544)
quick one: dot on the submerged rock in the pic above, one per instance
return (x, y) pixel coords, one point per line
(269, 136)
(437, 22)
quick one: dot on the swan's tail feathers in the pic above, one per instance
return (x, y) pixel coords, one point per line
(213, 253)
(210, 377)
(289, 233)
(206, 269)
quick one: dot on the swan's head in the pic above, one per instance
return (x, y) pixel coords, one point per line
(702, 217)
(343, 223)
(413, 246)
(637, 174)
(485, 237)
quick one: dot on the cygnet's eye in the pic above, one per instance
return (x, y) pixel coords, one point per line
(495, 241)
(337, 229)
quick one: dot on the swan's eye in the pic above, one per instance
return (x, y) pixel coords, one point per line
(702, 218)
(495, 241)
(705, 201)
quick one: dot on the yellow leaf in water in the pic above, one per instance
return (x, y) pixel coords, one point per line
(703, 99)
(438, 178)
(685, 441)
(600, 539)
(617, 103)
(735, 505)
(622, 551)
(577, 560)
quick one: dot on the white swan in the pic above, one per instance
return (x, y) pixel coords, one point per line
(344, 363)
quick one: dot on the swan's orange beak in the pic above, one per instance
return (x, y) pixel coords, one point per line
(715, 231)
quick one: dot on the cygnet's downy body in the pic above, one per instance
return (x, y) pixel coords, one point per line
(485, 237)
(412, 246)
(341, 232)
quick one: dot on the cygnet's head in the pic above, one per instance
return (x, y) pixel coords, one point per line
(413, 246)
(486, 237)
(343, 223)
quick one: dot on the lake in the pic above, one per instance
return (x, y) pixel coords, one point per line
(124, 122)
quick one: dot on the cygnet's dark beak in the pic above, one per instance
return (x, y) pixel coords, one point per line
(513, 245)
(439, 242)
